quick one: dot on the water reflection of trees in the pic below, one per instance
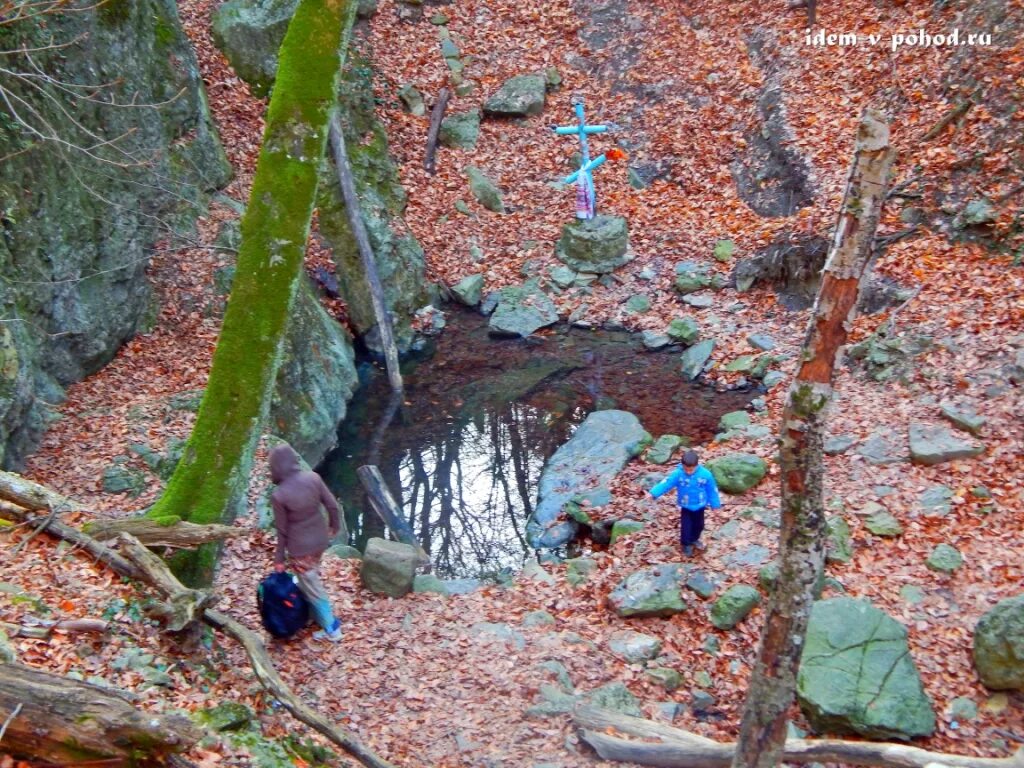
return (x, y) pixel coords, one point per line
(468, 489)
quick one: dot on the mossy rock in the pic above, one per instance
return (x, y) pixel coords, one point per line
(737, 473)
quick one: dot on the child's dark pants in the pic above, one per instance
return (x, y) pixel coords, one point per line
(691, 525)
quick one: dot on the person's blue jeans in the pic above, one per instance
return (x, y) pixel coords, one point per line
(313, 588)
(691, 525)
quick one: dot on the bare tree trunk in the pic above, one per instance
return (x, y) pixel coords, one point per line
(362, 238)
(387, 508)
(802, 548)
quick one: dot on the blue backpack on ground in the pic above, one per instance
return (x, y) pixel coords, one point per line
(283, 607)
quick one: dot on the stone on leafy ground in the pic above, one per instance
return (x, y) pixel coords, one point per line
(562, 276)
(699, 300)
(761, 341)
(663, 448)
(936, 501)
(538, 619)
(485, 190)
(734, 605)
(654, 340)
(579, 569)
(732, 420)
(692, 277)
(701, 701)
(490, 632)
(469, 290)
(748, 557)
(615, 697)
(228, 716)
(536, 572)
(768, 576)
(962, 708)
(653, 591)
(840, 545)
(685, 330)
(737, 473)
(590, 461)
(344, 552)
(388, 567)
(839, 444)
(638, 304)
(727, 531)
(883, 447)
(883, 523)
(598, 245)
(935, 444)
(624, 527)
(999, 645)
(772, 378)
(699, 583)
(964, 418)
(634, 646)
(412, 99)
(944, 559)
(521, 311)
(856, 674)
(460, 130)
(249, 33)
(518, 97)
(669, 679)
(695, 358)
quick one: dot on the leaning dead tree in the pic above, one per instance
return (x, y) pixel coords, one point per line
(182, 607)
(802, 538)
(662, 745)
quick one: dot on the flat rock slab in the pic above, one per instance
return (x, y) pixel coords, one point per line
(591, 459)
(856, 674)
(734, 605)
(522, 311)
(935, 444)
(518, 97)
(654, 591)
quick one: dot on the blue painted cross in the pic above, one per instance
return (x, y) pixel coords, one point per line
(586, 199)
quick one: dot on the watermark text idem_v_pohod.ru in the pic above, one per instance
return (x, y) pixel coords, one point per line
(918, 38)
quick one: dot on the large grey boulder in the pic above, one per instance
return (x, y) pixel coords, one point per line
(737, 472)
(598, 245)
(999, 645)
(653, 591)
(935, 444)
(856, 674)
(315, 380)
(389, 567)
(522, 311)
(249, 33)
(518, 97)
(591, 459)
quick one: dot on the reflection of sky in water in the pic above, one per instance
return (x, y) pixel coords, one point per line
(481, 416)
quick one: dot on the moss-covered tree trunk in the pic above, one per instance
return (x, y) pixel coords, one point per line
(209, 483)
(802, 545)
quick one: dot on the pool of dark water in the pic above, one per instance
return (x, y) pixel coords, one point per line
(464, 451)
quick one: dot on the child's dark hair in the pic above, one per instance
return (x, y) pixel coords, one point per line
(690, 459)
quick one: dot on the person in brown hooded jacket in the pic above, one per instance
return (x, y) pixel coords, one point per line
(302, 532)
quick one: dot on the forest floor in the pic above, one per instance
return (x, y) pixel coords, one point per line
(413, 677)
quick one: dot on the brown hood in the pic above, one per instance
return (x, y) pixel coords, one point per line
(284, 462)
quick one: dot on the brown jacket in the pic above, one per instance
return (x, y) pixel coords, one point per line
(301, 529)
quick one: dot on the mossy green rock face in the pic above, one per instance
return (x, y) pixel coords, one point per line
(229, 716)
(249, 33)
(315, 380)
(622, 528)
(999, 645)
(522, 311)
(737, 472)
(595, 454)
(469, 290)
(78, 232)
(684, 329)
(521, 96)
(734, 605)
(460, 130)
(733, 420)
(944, 559)
(598, 245)
(654, 591)
(399, 257)
(484, 190)
(694, 359)
(856, 674)
(840, 545)
(883, 523)
(663, 448)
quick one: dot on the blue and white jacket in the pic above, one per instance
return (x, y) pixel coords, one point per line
(694, 491)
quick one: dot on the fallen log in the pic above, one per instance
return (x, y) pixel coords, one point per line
(436, 116)
(178, 535)
(676, 748)
(44, 629)
(958, 111)
(25, 493)
(387, 508)
(258, 657)
(183, 606)
(68, 722)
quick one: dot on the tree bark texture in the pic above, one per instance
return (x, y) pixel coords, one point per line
(802, 537)
(69, 722)
(153, 533)
(209, 482)
(436, 116)
(25, 493)
(387, 508)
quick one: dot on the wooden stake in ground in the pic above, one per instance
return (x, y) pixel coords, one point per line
(362, 238)
(802, 538)
(436, 116)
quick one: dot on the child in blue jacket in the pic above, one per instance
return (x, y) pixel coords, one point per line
(696, 490)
